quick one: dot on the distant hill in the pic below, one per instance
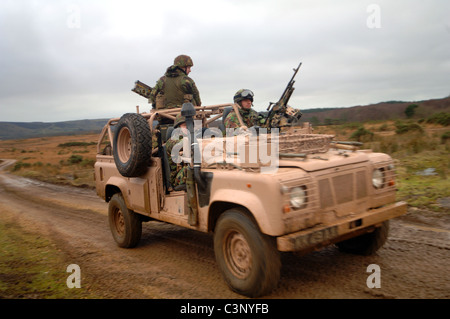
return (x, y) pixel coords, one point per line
(390, 110)
(21, 130)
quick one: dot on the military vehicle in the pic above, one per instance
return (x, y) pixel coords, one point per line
(259, 193)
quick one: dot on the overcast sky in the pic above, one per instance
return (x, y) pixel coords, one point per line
(71, 60)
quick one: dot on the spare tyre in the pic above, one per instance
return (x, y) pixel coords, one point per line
(132, 145)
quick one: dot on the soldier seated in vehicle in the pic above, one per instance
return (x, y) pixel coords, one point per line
(243, 116)
(246, 116)
(177, 166)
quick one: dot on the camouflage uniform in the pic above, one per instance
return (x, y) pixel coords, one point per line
(249, 118)
(176, 86)
(178, 172)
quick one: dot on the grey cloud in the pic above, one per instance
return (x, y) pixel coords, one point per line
(87, 72)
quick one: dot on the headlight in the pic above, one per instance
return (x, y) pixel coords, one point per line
(298, 197)
(378, 178)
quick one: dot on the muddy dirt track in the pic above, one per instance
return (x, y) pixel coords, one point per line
(172, 262)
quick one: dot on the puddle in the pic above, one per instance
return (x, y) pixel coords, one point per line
(427, 172)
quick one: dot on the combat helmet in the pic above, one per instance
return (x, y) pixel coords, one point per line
(179, 120)
(183, 61)
(243, 94)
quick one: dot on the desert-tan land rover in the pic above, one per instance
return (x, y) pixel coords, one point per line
(259, 192)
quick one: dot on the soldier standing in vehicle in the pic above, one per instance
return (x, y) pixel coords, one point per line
(244, 100)
(173, 89)
(176, 87)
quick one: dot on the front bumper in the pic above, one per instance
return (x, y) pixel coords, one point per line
(323, 235)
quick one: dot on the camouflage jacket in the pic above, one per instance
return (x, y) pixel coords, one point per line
(249, 118)
(174, 85)
(177, 170)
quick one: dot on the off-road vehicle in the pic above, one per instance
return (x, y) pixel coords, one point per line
(320, 192)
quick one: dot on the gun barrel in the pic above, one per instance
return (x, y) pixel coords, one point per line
(291, 82)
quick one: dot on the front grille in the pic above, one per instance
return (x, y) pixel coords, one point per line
(354, 185)
(342, 188)
(361, 184)
(326, 195)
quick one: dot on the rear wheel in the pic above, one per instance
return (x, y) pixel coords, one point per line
(249, 260)
(366, 244)
(132, 145)
(125, 225)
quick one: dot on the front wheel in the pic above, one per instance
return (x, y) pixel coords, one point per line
(125, 225)
(366, 244)
(249, 260)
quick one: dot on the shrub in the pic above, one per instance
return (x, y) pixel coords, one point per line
(402, 128)
(445, 137)
(383, 128)
(417, 145)
(88, 162)
(18, 165)
(362, 135)
(442, 118)
(75, 159)
(69, 144)
(389, 145)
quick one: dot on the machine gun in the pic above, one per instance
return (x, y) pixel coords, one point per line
(142, 89)
(280, 114)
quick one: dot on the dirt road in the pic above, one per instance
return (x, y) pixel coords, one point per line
(172, 262)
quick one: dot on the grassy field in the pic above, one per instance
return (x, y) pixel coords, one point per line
(32, 267)
(63, 160)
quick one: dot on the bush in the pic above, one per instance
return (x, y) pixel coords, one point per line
(417, 145)
(20, 165)
(402, 128)
(88, 162)
(75, 159)
(362, 135)
(445, 137)
(389, 145)
(383, 128)
(69, 144)
(441, 118)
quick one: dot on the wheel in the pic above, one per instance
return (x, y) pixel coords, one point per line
(366, 244)
(132, 145)
(248, 260)
(125, 225)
